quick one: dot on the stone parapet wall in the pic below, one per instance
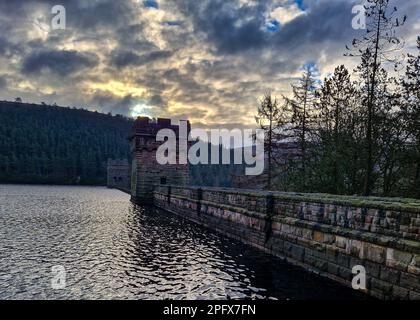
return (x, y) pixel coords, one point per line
(325, 234)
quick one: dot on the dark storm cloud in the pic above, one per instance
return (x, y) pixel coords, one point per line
(123, 59)
(110, 103)
(3, 82)
(91, 15)
(326, 22)
(100, 14)
(157, 100)
(153, 81)
(8, 48)
(62, 62)
(237, 29)
(130, 37)
(230, 27)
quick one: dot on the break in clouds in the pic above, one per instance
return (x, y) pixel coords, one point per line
(208, 60)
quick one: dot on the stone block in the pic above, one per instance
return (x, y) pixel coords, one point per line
(341, 242)
(333, 269)
(343, 260)
(307, 234)
(414, 295)
(405, 218)
(410, 281)
(331, 254)
(400, 293)
(390, 275)
(415, 222)
(345, 273)
(297, 252)
(329, 238)
(414, 266)
(309, 259)
(382, 286)
(372, 269)
(319, 254)
(377, 294)
(413, 270)
(318, 236)
(355, 248)
(373, 253)
(413, 230)
(398, 259)
(321, 265)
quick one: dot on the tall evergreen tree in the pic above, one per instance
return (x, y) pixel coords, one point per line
(375, 47)
(389, 133)
(338, 132)
(302, 107)
(271, 118)
(411, 113)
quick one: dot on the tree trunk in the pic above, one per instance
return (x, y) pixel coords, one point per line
(270, 146)
(304, 136)
(369, 162)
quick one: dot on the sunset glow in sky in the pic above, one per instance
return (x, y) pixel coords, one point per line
(205, 60)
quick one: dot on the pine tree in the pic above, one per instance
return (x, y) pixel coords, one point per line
(389, 133)
(302, 107)
(411, 112)
(338, 130)
(375, 47)
(271, 118)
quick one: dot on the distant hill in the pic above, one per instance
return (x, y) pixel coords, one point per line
(57, 145)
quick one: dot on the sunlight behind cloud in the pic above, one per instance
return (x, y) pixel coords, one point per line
(117, 88)
(141, 110)
(286, 13)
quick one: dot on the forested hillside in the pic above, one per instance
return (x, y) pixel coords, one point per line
(50, 144)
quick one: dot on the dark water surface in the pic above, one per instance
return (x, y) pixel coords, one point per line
(111, 249)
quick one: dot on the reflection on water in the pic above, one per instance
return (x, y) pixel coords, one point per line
(111, 249)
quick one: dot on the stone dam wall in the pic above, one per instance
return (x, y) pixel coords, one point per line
(325, 234)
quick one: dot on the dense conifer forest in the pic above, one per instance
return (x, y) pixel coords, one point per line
(42, 144)
(56, 145)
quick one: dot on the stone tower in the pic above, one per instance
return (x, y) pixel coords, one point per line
(119, 174)
(146, 171)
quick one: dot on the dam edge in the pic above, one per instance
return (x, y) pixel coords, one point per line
(327, 238)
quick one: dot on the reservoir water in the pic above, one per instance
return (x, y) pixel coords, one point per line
(61, 242)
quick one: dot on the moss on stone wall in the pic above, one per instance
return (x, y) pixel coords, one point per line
(395, 204)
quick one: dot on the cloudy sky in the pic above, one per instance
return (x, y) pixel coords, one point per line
(205, 60)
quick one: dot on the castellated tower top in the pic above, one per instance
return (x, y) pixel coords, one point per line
(145, 126)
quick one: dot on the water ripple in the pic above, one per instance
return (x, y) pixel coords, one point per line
(112, 249)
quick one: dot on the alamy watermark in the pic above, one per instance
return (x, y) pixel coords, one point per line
(58, 280)
(246, 145)
(359, 280)
(359, 20)
(58, 22)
